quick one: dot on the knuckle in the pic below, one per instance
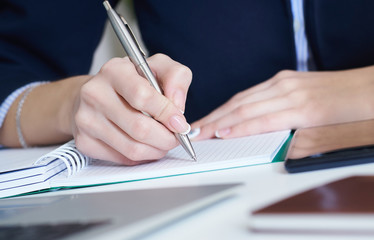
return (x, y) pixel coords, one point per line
(287, 84)
(117, 68)
(300, 96)
(135, 152)
(109, 66)
(143, 96)
(88, 93)
(84, 122)
(237, 99)
(238, 96)
(161, 56)
(284, 74)
(241, 111)
(265, 123)
(184, 73)
(247, 129)
(141, 130)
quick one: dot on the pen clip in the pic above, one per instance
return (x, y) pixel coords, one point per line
(132, 34)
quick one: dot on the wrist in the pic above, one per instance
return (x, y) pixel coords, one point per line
(70, 101)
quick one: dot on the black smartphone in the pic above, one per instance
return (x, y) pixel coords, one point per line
(331, 146)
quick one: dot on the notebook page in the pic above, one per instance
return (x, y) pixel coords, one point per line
(212, 154)
(13, 159)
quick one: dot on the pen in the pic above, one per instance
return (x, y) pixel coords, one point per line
(137, 57)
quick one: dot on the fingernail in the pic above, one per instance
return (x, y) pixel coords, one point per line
(194, 133)
(222, 133)
(178, 100)
(180, 125)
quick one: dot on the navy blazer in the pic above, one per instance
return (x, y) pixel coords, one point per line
(230, 46)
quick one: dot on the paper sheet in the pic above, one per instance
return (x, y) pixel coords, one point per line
(212, 155)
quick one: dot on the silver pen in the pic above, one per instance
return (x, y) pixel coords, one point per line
(137, 57)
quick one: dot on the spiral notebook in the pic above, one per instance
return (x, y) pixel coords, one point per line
(29, 170)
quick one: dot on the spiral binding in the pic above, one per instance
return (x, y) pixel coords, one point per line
(69, 154)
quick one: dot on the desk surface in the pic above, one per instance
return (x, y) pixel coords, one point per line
(263, 184)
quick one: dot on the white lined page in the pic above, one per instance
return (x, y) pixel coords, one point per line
(19, 158)
(213, 154)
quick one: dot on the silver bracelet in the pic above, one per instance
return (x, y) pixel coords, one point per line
(21, 139)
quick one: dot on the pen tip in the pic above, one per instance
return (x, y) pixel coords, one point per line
(194, 158)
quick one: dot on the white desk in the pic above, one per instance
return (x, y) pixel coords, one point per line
(229, 219)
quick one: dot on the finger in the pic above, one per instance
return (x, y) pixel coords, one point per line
(138, 126)
(97, 126)
(214, 115)
(98, 149)
(148, 100)
(261, 92)
(284, 74)
(208, 125)
(242, 114)
(142, 96)
(174, 77)
(282, 120)
(281, 83)
(127, 146)
(146, 130)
